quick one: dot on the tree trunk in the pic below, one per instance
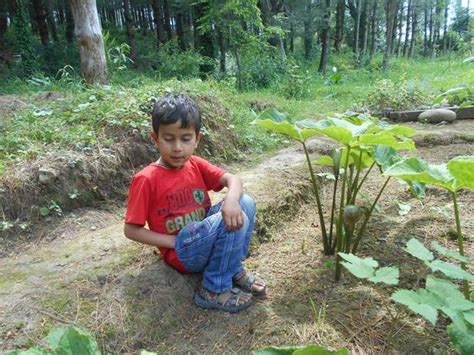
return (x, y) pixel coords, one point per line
(400, 29)
(69, 23)
(430, 29)
(166, 8)
(203, 42)
(130, 32)
(180, 30)
(40, 17)
(357, 28)
(222, 51)
(89, 35)
(407, 29)
(292, 38)
(160, 30)
(325, 37)
(52, 21)
(308, 33)
(373, 29)
(425, 36)
(390, 10)
(445, 29)
(340, 10)
(3, 24)
(414, 29)
(394, 30)
(365, 27)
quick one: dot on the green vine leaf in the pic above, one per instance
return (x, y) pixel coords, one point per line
(418, 250)
(361, 268)
(450, 270)
(418, 302)
(388, 275)
(449, 253)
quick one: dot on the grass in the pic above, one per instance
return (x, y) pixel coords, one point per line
(82, 118)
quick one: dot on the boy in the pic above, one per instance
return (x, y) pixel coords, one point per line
(171, 196)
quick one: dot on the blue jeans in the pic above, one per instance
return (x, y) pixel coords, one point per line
(209, 247)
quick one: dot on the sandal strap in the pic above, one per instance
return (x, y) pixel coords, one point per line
(228, 298)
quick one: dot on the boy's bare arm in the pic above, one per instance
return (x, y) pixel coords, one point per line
(231, 211)
(143, 235)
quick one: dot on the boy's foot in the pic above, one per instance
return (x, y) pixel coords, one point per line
(232, 301)
(250, 283)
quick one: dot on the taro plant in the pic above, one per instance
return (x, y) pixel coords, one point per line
(457, 174)
(364, 142)
(438, 295)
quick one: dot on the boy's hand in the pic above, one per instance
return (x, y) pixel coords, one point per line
(232, 214)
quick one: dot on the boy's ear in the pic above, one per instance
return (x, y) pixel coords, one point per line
(198, 138)
(154, 136)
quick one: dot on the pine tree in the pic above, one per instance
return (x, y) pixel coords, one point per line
(23, 35)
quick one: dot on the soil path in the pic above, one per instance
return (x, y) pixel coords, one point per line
(94, 277)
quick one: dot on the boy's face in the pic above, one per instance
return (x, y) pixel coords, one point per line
(176, 144)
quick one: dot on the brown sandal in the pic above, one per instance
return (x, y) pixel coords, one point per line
(229, 301)
(250, 283)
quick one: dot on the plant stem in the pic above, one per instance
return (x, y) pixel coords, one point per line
(362, 181)
(339, 233)
(318, 202)
(333, 210)
(349, 184)
(460, 242)
(356, 182)
(364, 224)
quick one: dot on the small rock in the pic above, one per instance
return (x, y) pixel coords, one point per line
(47, 175)
(437, 115)
(93, 228)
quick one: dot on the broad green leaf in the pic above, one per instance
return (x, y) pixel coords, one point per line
(418, 250)
(72, 340)
(340, 134)
(449, 253)
(418, 302)
(462, 168)
(387, 275)
(366, 158)
(300, 350)
(443, 288)
(417, 189)
(273, 114)
(385, 156)
(308, 133)
(323, 160)
(361, 268)
(469, 316)
(30, 351)
(388, 139)
(450, 270)
(284, 127)
(459, 304)
(337, 129)
(456, 317)
(463, 341)
(414, 169)
(402, 131)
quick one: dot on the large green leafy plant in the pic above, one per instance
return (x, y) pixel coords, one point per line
(456, 174)
(440, 294)
(364, 142)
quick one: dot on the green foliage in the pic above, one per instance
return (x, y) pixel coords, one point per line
(295, 85)
(300, 350)
(439, 295)
(116, 54)
(171, 62)
(23, 35)
(64, 341)
(461, 96)
(365, 142)
(334, 77)
(403, 94)
(366, 268)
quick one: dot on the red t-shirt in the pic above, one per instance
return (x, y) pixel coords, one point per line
(168, 199)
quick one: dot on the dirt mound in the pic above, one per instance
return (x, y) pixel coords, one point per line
(39, 190)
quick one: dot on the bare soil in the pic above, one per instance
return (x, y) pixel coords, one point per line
(85, 272)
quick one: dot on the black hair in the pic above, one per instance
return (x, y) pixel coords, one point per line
(173, 107)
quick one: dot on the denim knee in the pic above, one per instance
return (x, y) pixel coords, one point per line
(248, 204)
